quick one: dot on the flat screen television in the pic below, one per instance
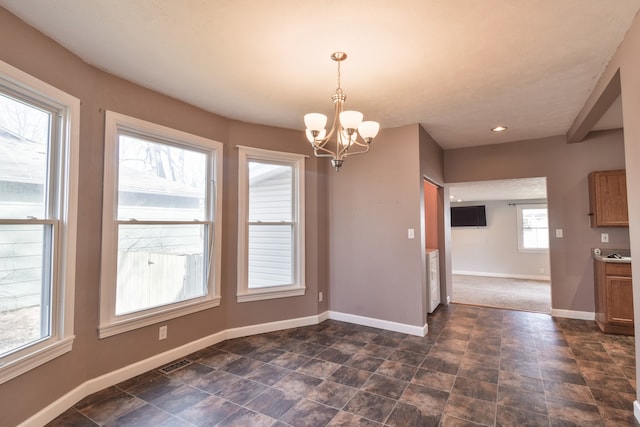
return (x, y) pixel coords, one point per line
(468, 216)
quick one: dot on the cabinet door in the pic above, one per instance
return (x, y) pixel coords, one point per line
(619, 300)
(608, 199)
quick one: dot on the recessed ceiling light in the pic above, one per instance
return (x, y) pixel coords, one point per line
(459, 200)
(498, 129)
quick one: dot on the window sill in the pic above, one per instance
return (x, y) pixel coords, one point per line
(119, 326)
(270, 293)
(533, 251)
(34, 359)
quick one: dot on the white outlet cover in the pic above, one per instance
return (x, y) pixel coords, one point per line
(411, 233)
(604, 237)
(559, 233)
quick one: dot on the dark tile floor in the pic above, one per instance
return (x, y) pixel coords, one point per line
(477, 366)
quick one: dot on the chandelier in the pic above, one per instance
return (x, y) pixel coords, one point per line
(346, 126)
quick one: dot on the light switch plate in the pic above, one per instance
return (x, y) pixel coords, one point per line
(411, 233)
(559, 233)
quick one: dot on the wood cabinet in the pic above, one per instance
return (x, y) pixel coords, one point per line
(614, 297)
(608, 199)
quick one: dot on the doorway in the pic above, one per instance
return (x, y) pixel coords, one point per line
(433, 236)
(502, 260)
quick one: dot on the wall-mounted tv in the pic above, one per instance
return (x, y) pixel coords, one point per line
(468, 216)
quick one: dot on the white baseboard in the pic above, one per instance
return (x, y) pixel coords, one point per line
(107, 380)
(323, 316)
(65, 402)
(501, 275)
(379, 323)
(572, 314)
(262, 328)
(636, 410)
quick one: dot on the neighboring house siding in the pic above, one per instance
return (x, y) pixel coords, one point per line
(22, 194)
(270, 255)
(20, 267)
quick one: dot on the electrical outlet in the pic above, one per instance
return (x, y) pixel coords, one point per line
(411, 233)
(559, 233)
(320, 297)
(162, 333)
(604, 237)
(541, 269)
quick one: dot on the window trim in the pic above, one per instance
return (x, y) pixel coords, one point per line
(111, 324)
(520, 230)
(63, 264)
(298, 288)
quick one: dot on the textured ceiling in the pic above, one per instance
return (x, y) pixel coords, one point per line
(458, 67)
(505, 189)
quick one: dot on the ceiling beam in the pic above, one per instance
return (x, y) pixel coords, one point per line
(594, 109)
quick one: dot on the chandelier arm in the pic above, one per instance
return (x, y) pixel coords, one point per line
(345, 152)
(354, 153)
(342, 153)
(336, 127)
(321, 143)
(361, 144)
(336, 119)
(329, 153)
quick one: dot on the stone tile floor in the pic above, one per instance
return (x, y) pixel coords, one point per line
(476, 366)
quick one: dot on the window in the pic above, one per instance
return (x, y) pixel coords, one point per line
(38, 202)
(271, 224)
(533, 228)
(161, 227)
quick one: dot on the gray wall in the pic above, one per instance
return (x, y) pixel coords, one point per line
(627, 61)
(432, 169)
(32, 52)
(629, 58)
(566, 167)
(375, 270)
(493, 250)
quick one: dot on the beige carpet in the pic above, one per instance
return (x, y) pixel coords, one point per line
(513, 294)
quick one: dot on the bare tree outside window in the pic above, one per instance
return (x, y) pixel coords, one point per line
(23, 120)
(159, 263)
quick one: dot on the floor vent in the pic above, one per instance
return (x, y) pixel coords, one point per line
(174, 366)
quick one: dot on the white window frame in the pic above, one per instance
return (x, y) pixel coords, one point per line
(64, 202)
(110, 323)
(519, 209)
(297, 288)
